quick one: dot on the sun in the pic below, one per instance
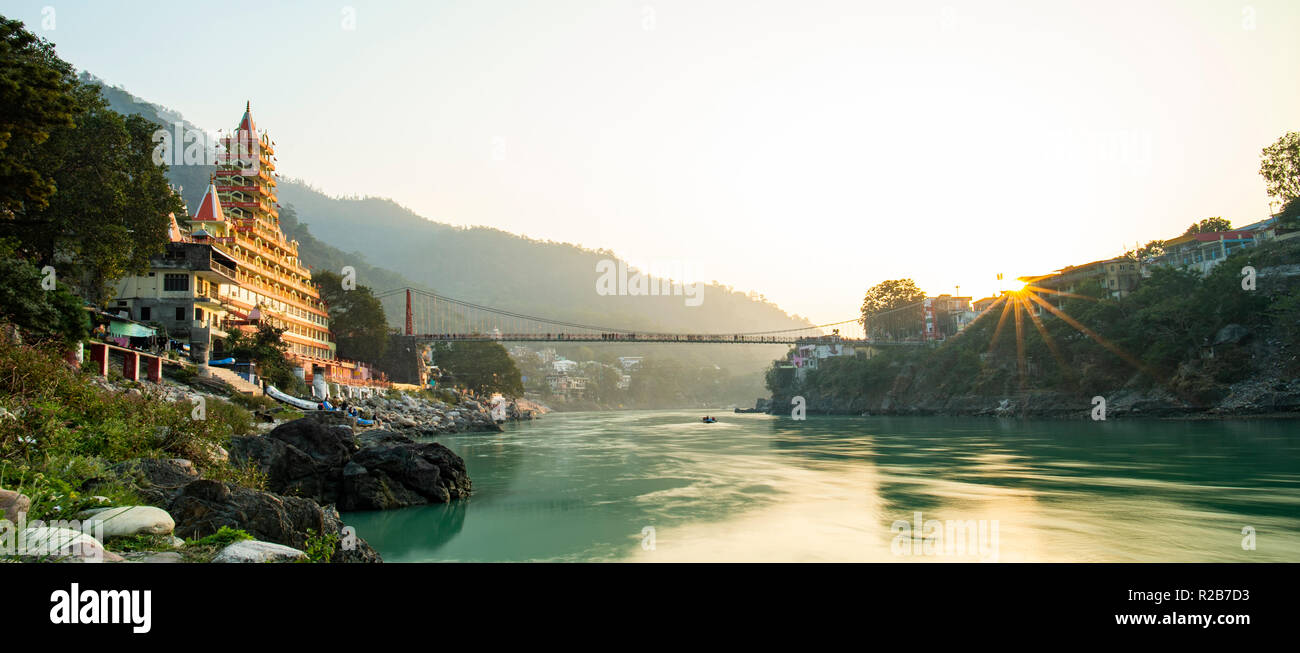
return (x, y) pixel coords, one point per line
(1018, 286)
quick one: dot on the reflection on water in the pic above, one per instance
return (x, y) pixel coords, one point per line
(758, 488)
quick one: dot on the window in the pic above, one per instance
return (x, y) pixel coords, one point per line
(176, 282)
(180, 313)
(145, 312)
(198, 314)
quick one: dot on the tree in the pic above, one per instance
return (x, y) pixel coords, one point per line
(1289, 216)
(24, 301)
(480, 365)
(357, 319)
(892, 309)
(1209, 225)
(106, 210)
(35, 99)
(1279, 164)
(266, 348)
(1151, 250)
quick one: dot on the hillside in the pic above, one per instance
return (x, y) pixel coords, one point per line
(1179, 345)
(494, 268)
(480, 264)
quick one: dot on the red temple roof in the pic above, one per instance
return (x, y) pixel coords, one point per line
(210, 207)
(246, 123)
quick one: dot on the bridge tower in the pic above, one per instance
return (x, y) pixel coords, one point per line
(410, 323)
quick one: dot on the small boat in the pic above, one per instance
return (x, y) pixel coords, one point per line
(709, 420)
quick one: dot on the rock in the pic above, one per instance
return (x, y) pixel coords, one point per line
(328, 444)
(53, 544)
(154, 557)
(127, 521)
(374, 490)
(13, 503)
(429, 469)
(155, 480)
(177, 543)
(216, 453)
(255, 551)
(1231, 334)
(378, 470)
(304, 457)
(204, 506)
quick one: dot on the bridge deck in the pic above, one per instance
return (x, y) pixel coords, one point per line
(703, 339)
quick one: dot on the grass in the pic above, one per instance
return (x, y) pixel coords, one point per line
(65, 431)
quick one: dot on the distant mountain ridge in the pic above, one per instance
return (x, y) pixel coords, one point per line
(483, 265)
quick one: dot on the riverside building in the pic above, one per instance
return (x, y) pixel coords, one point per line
(230, 266)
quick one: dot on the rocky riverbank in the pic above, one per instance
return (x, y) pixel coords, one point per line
(1269, 389)
(312, 467)
(417, 416)
(321, 458)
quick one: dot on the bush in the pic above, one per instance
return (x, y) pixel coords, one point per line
(66, 431)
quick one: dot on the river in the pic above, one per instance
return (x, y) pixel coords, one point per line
(651, 486)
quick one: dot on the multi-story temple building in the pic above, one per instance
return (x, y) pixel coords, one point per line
(230, 266)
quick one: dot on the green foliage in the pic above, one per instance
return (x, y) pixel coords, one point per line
(225, 536)
(35, 100)
(1280, 167)
(891, 309)
(254, 403)
(320, 546)
(1165, 331)
(46, 314)
(1209, 225)
(66, 431)
(1289, 217)
(110, 212)
(139, 543)
(482, 366)
(1153, 249)
(356, 319)
(287, 414)
(267, 350)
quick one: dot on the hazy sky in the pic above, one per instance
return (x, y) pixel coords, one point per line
(805, 150)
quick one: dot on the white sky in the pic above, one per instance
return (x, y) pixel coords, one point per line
(805, 150)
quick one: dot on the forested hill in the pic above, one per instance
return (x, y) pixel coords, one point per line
(478, 264)
(495, 268)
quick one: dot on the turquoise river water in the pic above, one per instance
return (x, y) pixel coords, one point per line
(651, 486)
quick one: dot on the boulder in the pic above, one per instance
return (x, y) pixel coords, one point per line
(154, 557)
(304, 457)
(429, 469)
(12, 504)
(254, 551)
(364, 489)
(330, 444)
(127, 521)
(54, 544)
(378, 470)
(204, 506)
(1231, 334)
(155, 480)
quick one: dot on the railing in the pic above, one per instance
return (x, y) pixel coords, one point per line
(218, 267)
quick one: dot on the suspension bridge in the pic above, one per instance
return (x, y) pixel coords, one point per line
(434, 317)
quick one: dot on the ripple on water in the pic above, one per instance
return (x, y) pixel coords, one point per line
(754, 487)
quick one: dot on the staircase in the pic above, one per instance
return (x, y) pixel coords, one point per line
(236, 381)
